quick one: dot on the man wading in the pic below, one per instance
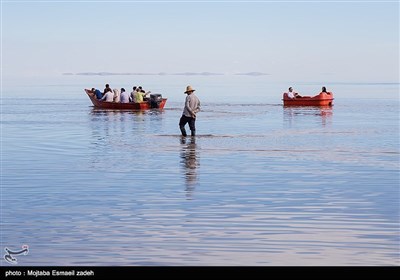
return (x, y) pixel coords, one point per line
(192, 106)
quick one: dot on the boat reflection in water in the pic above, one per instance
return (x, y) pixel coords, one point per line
(156, 101)
(190, 162)
(294, 115)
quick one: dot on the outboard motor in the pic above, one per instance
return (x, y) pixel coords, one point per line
(155, 100)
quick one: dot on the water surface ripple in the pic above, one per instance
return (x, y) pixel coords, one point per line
(259, 185)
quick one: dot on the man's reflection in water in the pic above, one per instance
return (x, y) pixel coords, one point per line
(190, 162)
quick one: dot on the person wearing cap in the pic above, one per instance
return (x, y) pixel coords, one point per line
(192, 106)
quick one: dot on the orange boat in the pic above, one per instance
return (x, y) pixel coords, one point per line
(154, 102)
(322, 99)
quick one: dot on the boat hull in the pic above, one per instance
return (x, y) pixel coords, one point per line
(322, 99)
(122, 106)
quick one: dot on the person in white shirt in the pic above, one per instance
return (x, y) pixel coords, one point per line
(124, 96)
(108, 96)
(291, 94)
(192, 106)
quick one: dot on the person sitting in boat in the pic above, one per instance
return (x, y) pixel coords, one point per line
(132, 95)
(292, 95)
(116, 95)
(97, 93)
(145, 98)
(124, 98)
(140, 94)
(108, 96)
(323, 90)
(106, 89)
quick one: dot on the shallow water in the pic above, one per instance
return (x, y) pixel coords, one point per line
(260, 185)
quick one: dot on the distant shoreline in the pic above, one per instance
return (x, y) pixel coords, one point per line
(163, 74)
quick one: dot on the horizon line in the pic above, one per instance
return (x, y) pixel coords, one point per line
(163, 74)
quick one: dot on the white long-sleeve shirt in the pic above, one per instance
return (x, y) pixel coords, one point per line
(108, 97)
(124, 98)
(290, 94)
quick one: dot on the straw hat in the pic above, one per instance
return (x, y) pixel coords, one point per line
(189, 89)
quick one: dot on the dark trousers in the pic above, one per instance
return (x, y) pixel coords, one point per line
(183, 121)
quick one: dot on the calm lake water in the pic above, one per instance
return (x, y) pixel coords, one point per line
(260, 185)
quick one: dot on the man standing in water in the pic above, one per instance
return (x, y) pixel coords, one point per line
(192, 106)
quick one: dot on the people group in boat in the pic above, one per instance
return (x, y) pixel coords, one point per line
(137, 95)
(294, 95)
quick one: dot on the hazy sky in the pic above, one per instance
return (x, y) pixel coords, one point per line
(301, 40)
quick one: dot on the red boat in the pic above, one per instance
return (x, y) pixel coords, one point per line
(154, 102)
(322, 99)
